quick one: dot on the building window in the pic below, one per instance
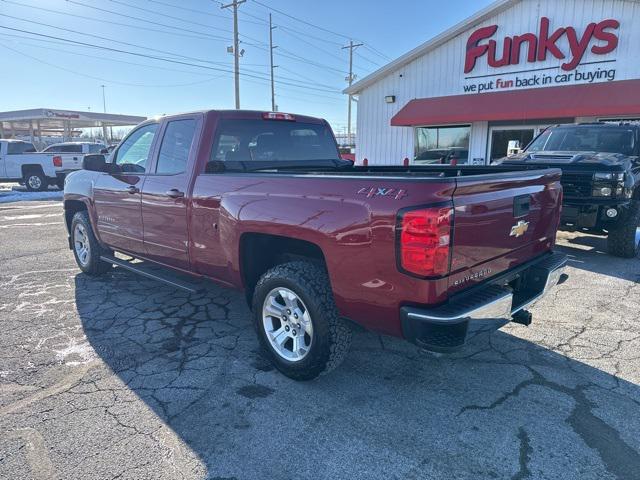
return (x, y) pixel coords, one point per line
(442, 145)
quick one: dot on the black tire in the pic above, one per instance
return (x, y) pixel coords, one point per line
(623, 241)
(331, 335)
(92, 265)
(60, 183)
(35, 181)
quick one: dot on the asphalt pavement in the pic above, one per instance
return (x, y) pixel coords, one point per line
(122, 377)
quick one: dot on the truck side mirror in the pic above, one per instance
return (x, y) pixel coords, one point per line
(94, 162)
(104, 151)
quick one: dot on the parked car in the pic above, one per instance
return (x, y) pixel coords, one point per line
(75, 147)
(262, 202)
(600, 176)
(20, 162)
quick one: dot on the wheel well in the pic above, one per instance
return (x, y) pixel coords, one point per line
(26, 169)
(259, 252)
(71, 207)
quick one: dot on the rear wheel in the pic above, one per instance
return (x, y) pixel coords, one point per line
(35, 181)
(297, 320)
(86, 248)
(624, 241)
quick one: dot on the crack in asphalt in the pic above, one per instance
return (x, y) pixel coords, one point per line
(619, 458)
(525, 455)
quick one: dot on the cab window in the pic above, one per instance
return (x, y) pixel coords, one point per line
(133, 153)
(20, 147)
(176, 144)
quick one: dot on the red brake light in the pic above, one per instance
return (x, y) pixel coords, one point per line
(57, 161)
(278, 116)
(425, 236)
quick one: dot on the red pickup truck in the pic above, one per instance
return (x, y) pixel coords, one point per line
(263, 202)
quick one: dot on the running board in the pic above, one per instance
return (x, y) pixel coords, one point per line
(155, 273)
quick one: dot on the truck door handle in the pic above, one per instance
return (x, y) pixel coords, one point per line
(133, 190)
(174, 193)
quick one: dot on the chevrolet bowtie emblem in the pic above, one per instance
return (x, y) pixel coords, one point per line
(519, 229)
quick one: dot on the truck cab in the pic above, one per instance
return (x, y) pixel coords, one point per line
(600, 178)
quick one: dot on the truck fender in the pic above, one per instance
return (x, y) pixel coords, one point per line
(335, 225)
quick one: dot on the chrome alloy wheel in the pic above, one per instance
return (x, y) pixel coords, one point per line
(81, 244)
(34, 182)
(287, 323)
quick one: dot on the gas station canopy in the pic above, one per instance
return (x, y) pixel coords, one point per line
(40, 122)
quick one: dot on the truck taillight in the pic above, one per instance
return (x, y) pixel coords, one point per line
(424, 241)
(57, 161)
(278, 116)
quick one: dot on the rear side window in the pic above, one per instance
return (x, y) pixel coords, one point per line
(175, 148)
(95, 148)
(133, 153)
(20, 147)
(74, 148)
(272, 141)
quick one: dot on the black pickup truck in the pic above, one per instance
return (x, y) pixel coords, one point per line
(600, 177)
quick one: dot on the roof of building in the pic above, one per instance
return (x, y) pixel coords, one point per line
(54, 120)
(479, 17)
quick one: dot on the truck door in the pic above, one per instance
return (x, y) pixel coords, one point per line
(166, 196)
(117, 195)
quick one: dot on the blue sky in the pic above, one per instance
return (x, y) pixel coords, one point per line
(52, 73)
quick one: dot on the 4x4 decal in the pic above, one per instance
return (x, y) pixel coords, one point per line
(371, 192)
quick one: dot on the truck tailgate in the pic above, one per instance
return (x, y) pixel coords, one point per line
(71, 161)
(502, 221)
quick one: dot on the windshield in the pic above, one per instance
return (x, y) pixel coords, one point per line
(272, 141)
(586, 139)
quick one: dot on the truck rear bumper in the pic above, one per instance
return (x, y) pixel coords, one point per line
(446, 328)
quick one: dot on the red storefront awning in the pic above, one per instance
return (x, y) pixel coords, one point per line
(594, 99)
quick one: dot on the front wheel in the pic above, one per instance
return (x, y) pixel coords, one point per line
(624, 241)
(86, 248)
(297, 320)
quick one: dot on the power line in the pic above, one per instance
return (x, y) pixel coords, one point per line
(346, 37)
(268, 7)
(172, 17)
(111, 22)
(153, 57)
(116, 82)
(285, 53)
(110, 40)
(102, 58)
(150, 21)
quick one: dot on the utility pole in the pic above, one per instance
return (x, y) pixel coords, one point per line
(104, 100)
(104, 110)
(271, 48)
(236, 47)
(352, 46)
